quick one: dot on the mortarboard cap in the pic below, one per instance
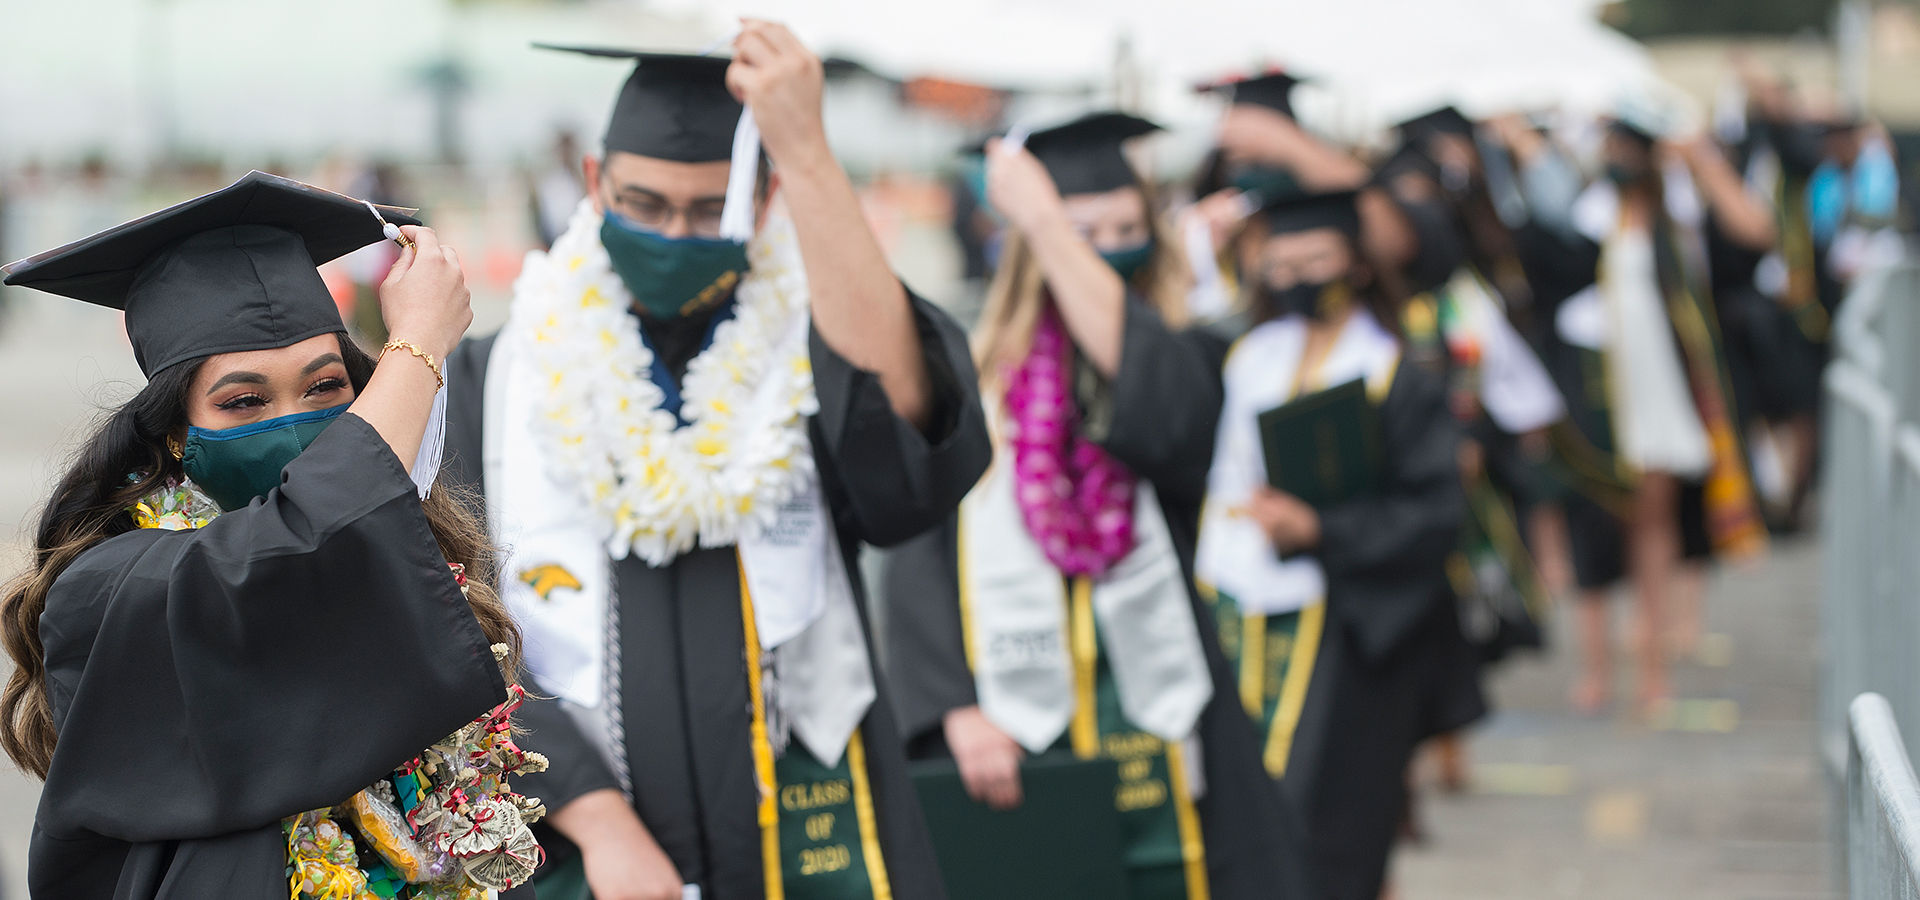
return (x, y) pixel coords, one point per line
(1445, 120)
(1647, 117)
(674, 106)
(1084, 156)
(1273, 90)
(1409, 159)
(225, 272)
(1309, 211)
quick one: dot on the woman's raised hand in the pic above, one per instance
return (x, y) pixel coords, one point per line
(424, 299)
(1020, 188)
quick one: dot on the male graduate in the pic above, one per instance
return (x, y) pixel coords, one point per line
(682, 439)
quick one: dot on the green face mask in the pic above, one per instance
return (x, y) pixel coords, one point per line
(234, 465)
(1128, 262)
(672, 277)
(1270, 184)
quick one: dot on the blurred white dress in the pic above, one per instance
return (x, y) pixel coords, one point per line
(1656, 426)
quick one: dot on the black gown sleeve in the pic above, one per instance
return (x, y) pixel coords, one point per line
(1385, 555)
(927, 670)
(895, 480)
(1165, 407)
(277, 660)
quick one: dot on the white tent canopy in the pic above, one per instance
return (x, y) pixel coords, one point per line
(244, 79)
(1373, 61)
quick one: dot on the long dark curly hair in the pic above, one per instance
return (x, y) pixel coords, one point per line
(90, 503)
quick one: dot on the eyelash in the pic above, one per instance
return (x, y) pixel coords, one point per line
(329, 384)
(246, 400)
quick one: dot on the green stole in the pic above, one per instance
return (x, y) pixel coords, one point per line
(1273, 656)
(1159, 827)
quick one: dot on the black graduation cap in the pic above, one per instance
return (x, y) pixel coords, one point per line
(674, 106)
(1409, 159)
(222, 273)
(1273, 90)
(1445, 120)
(1084, 155)
(1309, 211)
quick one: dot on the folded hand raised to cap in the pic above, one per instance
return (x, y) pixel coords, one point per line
(778, 78)
(424, 298)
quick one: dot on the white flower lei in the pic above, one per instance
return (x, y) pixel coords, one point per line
(659, 488)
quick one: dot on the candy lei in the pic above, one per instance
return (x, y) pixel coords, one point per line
(656, 487)
(1076, 499)
(446, 825)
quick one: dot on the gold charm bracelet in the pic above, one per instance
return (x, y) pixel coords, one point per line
(414, 349)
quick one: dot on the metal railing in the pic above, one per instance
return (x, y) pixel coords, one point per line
(1870, 610)
(1870, 508)
(1883, 806)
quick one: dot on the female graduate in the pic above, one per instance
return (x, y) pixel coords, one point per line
(1056, 616)
(243, 630)
(1339, 621)
(1641, 362)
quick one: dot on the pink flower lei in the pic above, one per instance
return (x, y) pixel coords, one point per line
(1076, 499)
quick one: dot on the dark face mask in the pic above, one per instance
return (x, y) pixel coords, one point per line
(1270, 184)
(1622, 174)
(672, 277)
(1456, 181)
(1314, 300)
(1130, 261)
(234, 465)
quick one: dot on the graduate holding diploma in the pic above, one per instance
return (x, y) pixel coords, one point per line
(1338, 619)
(1055, 618)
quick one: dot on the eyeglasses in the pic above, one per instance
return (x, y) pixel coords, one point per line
(656, 214)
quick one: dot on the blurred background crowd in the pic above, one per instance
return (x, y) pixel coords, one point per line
(443, 104)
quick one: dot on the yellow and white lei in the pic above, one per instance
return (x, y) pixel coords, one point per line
(662, 488)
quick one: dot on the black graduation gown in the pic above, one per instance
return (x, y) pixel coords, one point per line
(1385, 676)
(1165, 404)
(208, 683)
(1773, 367)
(684, 689)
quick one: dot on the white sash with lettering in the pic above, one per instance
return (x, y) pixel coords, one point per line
(1017, 611)
(1234, 554)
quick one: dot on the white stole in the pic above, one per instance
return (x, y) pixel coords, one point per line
(1016, 617)
(804, 607)
(1235, 554)
(1515, 389)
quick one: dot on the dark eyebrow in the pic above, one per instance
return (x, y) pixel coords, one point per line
(636, 189)
(238, 378)
(658, 197)
(321, 362)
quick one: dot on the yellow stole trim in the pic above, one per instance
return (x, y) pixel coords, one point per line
(1253, 663)
(966, 587)
(1085, 729)
(763, 749)
(863, 808)
(1293, 692)
(1193, 848)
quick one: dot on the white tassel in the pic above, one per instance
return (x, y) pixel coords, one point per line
(426, 463)
(736, 218)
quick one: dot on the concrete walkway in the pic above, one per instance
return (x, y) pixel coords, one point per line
(1724, 802)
